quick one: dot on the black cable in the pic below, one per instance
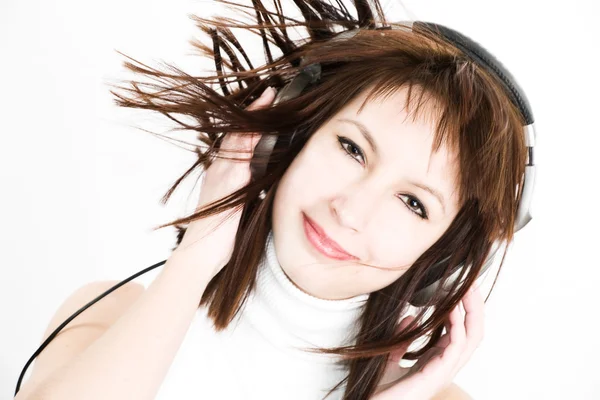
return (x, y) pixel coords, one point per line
(82, 309)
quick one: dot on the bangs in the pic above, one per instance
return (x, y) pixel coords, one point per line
(423, 104)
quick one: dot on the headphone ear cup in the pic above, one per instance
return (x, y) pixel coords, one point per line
(307, 76)
(423, 296)
(268, 143)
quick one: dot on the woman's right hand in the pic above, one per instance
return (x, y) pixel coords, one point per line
(215, 235)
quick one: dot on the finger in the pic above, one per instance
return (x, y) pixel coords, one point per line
(457, 335)
(474, 321)
(239, 141)
(444, 339)
(404, 323)
(397, 354)
(439, 363)
(474, 314)
(235, 143)
(427, 358)
(265, 98)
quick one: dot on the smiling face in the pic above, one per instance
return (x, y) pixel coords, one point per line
(368, 195)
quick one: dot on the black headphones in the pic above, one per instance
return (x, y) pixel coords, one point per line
(311, 73)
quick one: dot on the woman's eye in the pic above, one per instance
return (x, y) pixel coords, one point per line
(350, 148)
(416, 207)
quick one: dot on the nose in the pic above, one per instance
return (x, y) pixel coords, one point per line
(350, 212)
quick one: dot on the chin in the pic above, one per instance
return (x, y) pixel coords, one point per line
(299, 260)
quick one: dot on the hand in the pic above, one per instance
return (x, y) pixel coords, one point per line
(222, 178)
(436, 369)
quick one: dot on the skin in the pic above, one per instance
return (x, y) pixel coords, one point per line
(359, 198)
(362, 201)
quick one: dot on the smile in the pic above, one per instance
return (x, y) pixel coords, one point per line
(323, 243)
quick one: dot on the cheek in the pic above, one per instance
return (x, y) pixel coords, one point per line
(310, 175)
(401, 242)
(398, 251)
(323, 169)
(293, 190)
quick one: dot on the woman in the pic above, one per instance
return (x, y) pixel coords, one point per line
(403, 153)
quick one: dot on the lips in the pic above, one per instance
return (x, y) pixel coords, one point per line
(323, 243)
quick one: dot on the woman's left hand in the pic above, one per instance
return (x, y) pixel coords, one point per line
(436, 369)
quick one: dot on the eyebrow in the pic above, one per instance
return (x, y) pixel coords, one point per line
(434, 192)
(363, 129)
(369, 138)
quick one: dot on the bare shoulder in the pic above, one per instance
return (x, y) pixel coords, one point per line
(85, 328)
(452, 392)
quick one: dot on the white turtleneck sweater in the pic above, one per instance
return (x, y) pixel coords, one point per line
(258, 355)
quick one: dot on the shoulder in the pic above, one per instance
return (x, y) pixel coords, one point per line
(452, 392)
(89, 291)
(85, 328)
(104, 311)
(98, 316)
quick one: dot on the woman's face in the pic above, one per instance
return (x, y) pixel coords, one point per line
(371, 202)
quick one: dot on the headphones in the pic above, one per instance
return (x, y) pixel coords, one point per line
(310, 74)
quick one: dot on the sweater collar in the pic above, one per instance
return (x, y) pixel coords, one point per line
(290, 317)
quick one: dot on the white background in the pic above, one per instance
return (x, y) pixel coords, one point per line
(80, 184)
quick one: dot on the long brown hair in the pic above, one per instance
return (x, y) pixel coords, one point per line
(476, 118)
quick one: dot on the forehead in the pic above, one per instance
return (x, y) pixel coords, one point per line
(390, 113)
